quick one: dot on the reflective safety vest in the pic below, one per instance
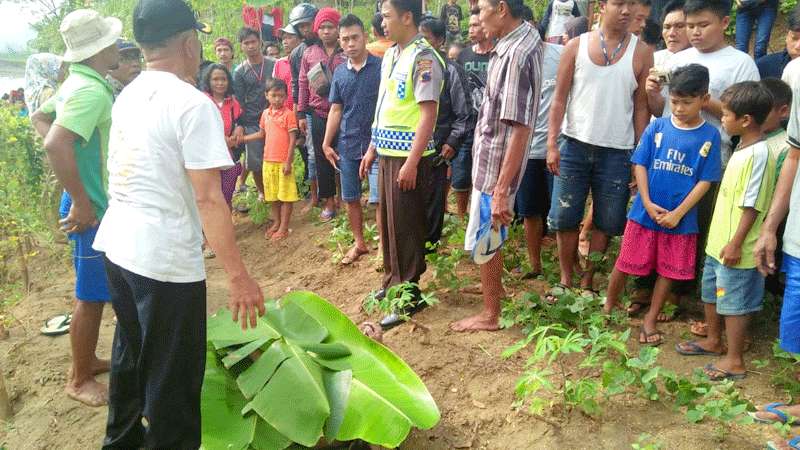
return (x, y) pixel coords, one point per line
(397, 113)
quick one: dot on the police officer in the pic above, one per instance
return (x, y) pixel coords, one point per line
(402, 132)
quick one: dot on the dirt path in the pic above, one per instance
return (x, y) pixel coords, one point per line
(472, 384)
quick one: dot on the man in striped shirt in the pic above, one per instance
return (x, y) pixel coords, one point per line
(502, 136)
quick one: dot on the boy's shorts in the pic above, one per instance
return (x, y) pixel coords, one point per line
(277, 186)
(644, 250)
(736, 292)
(533, 196)
(91, 284)
(790, 312)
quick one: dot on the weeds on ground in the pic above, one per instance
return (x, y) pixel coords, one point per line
(259, 211)
(581, 358)
(341, 238)
(398, 299)
(786, 372)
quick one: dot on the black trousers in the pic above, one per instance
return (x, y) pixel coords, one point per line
(437, 202)
(326, 176)
(157, 362)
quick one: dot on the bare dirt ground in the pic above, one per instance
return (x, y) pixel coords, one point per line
(472, 384)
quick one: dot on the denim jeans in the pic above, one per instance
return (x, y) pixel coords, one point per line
(606, 172)
(763, 17)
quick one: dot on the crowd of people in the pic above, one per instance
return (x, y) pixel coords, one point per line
(558, 124)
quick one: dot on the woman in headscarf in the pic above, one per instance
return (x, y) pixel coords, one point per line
(43, 72)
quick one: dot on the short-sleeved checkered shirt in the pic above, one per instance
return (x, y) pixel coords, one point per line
(512, 93)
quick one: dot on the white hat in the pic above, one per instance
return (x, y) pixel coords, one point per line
(86, 33)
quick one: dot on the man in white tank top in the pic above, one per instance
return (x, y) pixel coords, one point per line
(600, 88)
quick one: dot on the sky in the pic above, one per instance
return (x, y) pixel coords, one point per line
(15, 30)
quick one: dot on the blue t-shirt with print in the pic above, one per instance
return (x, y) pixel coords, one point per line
(676, 160)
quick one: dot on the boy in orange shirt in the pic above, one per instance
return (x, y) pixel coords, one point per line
(279, 129)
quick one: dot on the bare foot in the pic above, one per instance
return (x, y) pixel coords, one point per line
(279, 236)
(90, 393)
(699, 328)
(480, 322)
(353, 255)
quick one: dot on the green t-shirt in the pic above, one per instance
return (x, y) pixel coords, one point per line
(748, 182)
(83, 106)
(778, 148)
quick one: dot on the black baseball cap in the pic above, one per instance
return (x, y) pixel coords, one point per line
(156, 20)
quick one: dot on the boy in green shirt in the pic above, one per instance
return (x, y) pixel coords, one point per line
(732, 288)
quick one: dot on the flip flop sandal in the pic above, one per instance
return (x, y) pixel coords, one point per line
(694, 349)
(773, 408)
(327, 216)
(589, 292)
(794, 443)
(551, 298)
(722, 375)
(57, 326)
(640, 306)
(646, 335)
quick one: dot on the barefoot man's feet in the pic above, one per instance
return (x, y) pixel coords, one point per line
(479, 322)
(90, 393)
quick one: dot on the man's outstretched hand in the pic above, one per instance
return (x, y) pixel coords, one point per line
(246, 301)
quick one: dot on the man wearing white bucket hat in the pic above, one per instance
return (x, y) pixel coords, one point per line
(75, 125)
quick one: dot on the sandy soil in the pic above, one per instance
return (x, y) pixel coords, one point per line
(472, 384)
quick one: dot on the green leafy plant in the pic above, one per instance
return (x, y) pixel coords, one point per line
(27, 198)
(443, 262)
(304, 374)
(259, 210)
(398, 299)
(786, 372)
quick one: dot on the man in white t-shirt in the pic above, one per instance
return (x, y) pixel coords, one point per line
(166, 151)
(706, 21)
(785, 200)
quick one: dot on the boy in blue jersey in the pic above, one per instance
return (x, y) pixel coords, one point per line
(677, 160)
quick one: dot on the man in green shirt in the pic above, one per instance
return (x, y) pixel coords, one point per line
(75, 125)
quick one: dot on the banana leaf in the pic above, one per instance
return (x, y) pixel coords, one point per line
(386, 397)
(310, 373)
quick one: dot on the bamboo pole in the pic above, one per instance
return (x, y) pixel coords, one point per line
(5, 404)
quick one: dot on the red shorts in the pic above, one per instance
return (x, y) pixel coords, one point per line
(644, 250)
